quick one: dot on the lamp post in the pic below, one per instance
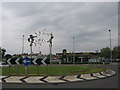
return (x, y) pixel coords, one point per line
(23, 44)
(110, 46)
(73, 50)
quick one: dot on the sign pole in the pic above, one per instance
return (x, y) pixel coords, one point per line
(26, 62)
(9, 70)
(37, 69)
(31, 51)
(26, 70)
(17, 69)
(50, 53)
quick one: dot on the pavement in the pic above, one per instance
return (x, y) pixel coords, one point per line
(55, 79)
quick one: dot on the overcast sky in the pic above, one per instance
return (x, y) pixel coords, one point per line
(88, 22)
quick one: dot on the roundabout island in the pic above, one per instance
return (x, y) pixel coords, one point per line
(54, 74)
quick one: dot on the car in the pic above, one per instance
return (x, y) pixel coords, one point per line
(3, 64)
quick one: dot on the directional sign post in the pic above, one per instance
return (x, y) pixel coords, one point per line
(26, 62)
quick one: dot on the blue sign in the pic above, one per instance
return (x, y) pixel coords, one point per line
(26, 61)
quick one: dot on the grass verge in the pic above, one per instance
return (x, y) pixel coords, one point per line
(49, 70)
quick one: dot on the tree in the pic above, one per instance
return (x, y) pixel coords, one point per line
(116, 52)
(105, 52)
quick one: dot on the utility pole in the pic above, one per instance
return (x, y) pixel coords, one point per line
(110, 46)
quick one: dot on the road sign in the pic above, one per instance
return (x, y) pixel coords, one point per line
(34, 61)
(38, 61)
(17, 61)
(8, 61)
(43, 61)
(26, 61)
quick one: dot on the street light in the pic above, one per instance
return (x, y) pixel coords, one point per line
(23, 44)
(110, 46)
(73, 50)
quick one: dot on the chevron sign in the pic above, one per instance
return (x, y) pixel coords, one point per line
(20, 61)
(11, 61)
(38, 61)
(43, 61)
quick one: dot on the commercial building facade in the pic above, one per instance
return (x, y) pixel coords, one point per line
(79, 57)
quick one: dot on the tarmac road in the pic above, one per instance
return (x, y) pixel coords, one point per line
(110, 82)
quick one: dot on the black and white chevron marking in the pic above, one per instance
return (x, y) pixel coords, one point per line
(8, 61)
(43, 61)
(23, 79)
(17, 61)
(43, 79)
(34, 61)
(55, 79)
(12, 61)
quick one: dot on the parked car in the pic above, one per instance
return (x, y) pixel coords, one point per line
(3, 64)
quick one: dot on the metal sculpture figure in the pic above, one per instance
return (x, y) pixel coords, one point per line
(50, 40)
(31, 40)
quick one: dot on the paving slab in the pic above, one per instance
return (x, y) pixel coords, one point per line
(87, 77)
(33, 79)
(1, 78)
(72, 78)
(106, 74)
(110, 72)
(98, 75)
(14, 79)
(54, 79)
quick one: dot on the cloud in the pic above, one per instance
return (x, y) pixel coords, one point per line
(87, 22)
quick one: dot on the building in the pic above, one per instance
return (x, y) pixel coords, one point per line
(34, 55)
(79, 57)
